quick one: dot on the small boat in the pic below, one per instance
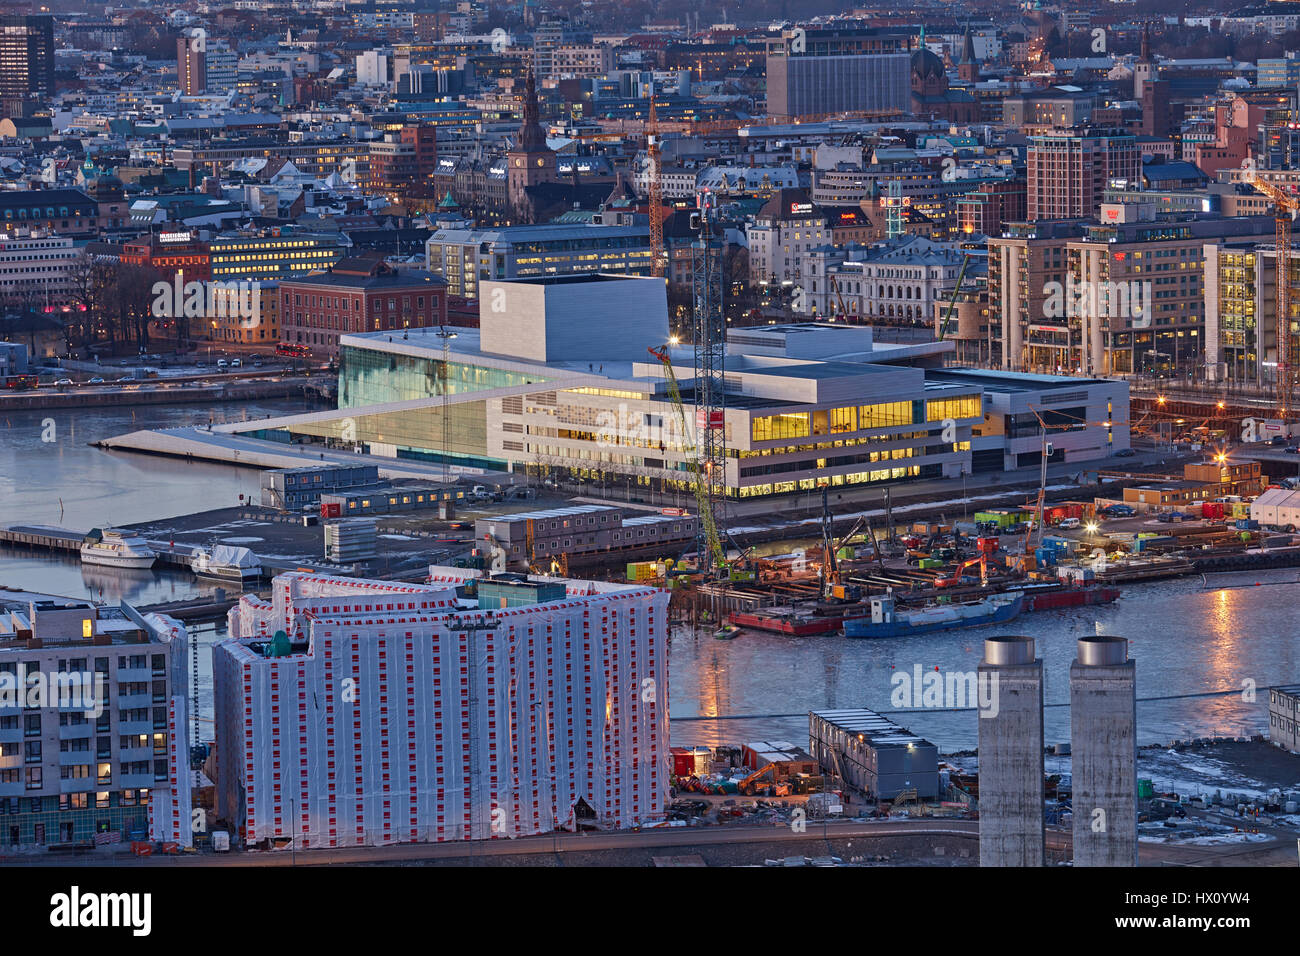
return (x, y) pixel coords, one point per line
(226, 563)
(726, 632)
(885, 620)
(117, 549)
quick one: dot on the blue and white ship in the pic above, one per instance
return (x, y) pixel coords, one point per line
(886, 620)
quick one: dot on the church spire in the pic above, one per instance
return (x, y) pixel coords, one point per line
(531, 137)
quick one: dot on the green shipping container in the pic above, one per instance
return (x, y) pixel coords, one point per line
(1145, 788)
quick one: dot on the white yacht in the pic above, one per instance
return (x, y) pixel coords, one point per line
(226, 563)
(117, 549)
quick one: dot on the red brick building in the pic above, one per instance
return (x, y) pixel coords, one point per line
(363, 294)
(405, 161)
(171, 252)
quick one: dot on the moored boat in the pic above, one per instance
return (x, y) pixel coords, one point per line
(785, 621)
(226, 563)
(1057, 598)
(117, 549)
(887, 620)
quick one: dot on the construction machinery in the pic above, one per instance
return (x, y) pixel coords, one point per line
(1285, 206)
(952, 303)
(843, 314)
(709, 335)
(712, 542)
(956, 579)
(655, 193)
(832, 585)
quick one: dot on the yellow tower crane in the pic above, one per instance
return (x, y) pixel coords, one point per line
(1284, 209)
(698, 484)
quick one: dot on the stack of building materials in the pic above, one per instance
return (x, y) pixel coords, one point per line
(350, 540)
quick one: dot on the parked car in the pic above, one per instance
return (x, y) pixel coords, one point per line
(1125, 453)
(257, 363)
(222, 363)
(236, 363)
(1117, 511)
(1068, 524)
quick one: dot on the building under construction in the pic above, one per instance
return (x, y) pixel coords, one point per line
(363, 713)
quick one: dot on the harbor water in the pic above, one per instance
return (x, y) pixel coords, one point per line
(1188, 639)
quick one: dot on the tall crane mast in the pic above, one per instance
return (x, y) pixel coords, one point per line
(709, 546)
(655, 193)
(710, 336)
(1284, 210)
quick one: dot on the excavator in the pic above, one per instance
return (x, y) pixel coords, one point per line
(956, 579)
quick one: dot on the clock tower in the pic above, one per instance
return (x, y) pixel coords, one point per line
(530, 161)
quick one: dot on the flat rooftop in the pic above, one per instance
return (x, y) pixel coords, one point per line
(995, 381)
(879, 731)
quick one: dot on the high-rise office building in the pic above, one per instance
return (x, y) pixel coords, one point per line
(836, 70)
(26, 63)
(1068, 171)
(191, 64)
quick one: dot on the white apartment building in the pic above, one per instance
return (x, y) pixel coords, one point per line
(368, 713)
(36, 268)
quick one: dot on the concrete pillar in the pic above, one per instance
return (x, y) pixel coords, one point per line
(1103, 745)
(1011, 755)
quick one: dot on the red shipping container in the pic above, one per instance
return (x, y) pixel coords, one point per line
(683, 762)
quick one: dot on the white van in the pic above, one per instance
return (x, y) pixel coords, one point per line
(1068, 524)
(222, 363)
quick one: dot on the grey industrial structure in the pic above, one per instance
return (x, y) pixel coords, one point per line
(1103, 744)
(1011, 755)
(583, 529)
(873, 753)
(292, 488)
(1284, 717)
